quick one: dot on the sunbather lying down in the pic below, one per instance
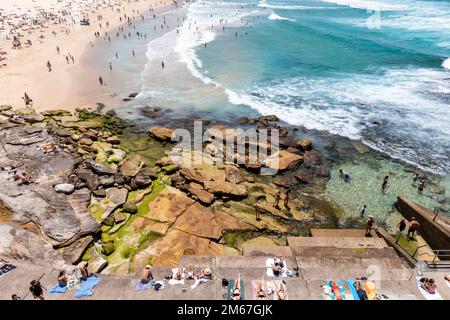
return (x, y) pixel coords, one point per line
(428, 285)
(236, 291)
(336, 290)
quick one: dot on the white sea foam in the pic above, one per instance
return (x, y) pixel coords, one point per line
(264, 4)
(368, 4)
(274, 16)
(446, 63)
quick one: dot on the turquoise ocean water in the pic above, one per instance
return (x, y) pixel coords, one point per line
(372, 70)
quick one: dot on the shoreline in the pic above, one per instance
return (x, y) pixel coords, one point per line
(26, 69)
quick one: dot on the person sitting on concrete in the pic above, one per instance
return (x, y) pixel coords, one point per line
(190, 273)
(362, 294)
(280, 292)
(413, 227)
(146, 274)
(204, 276)
(15, 297)
(62, 279)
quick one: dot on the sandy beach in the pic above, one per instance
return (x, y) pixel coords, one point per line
(25, 69)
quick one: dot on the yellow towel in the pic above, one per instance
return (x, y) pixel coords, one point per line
(370, 289)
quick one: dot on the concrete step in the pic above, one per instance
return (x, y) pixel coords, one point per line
(249, 262)
(283, 251)
(340, 233)
(345, 252)
(337, 242)
(325, 273)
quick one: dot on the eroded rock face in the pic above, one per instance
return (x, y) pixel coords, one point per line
(234, 175)
(201, 221)
(169, 204)
(161, 133)
(226, 189)
(38, 201)
(131, 166)
(283, 160)
(168, 250)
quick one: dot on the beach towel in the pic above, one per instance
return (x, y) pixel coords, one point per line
(425, 293)
(273, 285)
(230, 289)
(58, 289)
(269, 264)
(369, 286)
(197, 282)
(143, 286)
(87, 286)
(352, 285)
(341, 289)
(255, 285)
(6, 268)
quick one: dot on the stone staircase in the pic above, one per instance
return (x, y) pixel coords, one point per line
(341, 255)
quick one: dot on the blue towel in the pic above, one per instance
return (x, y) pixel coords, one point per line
(352, 285)
(143, 286)
(341, 289)
(58, 289)
(87, 286)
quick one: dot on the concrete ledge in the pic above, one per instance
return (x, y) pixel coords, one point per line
(338, 233)
(400, 251)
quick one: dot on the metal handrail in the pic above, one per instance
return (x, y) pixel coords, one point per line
(437, 253)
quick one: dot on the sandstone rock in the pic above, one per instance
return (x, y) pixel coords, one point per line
(107, 248)
(33, 118)
(102, 208)
(151, 172)
(106, 181)
(96, 261)
(233, 174)
(201, 221)
(164, 161)
(5, 107)
(311, 158)
(65, 188)
(161, 133)
(283, 160)
(119, 217)
(282, 181)
(113, 140)
(168, 205)
(258, 242)
(202, 195)
(177, 180)
(170, 169)
(89, 178)
(131, 165)
(304, 144)
(73, 253)
(145, 226)
(99, 168)
(141, 180)
(192, 174)
(86, 141)
(130, 207)
(116, 156)
(177, 243)
(99, 193)
(226, 189)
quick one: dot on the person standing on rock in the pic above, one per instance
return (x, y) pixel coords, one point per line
(369, 226)
(276, 204)
(401, 226)
(258, 211)
(286, 200)
(413, 227)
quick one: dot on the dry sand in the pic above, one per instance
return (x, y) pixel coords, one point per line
(26, 69)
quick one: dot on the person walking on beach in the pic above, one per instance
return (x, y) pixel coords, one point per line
(384, 184)
(369, 226)
(27, 99)
(413, 227)
(362, 211)
(49, 66)
(100, 80)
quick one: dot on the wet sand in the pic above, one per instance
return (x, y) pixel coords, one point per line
(26, 69)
